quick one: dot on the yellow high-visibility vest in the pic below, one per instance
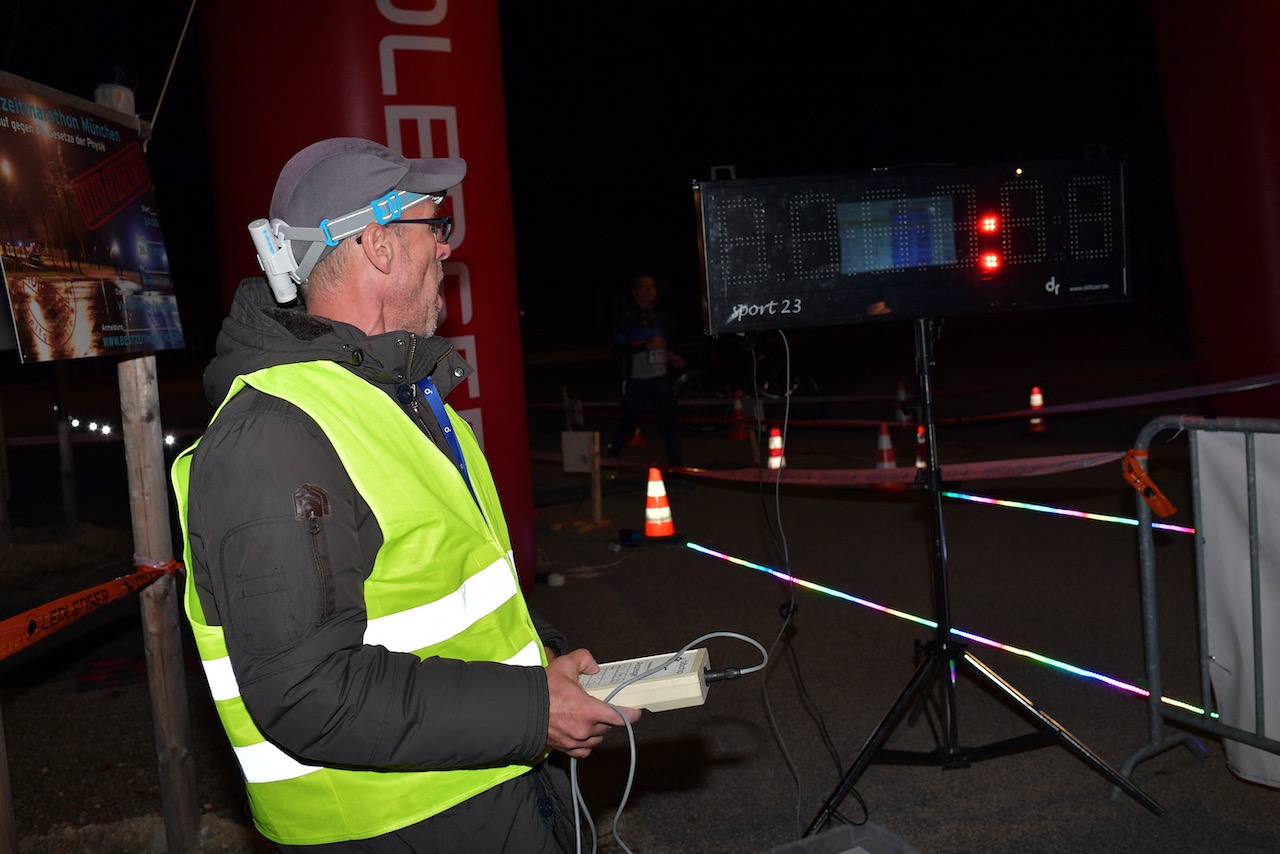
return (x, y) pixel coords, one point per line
(444, 584)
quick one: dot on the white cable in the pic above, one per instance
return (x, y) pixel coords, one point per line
(578, 801)
(631, 736)
(631, 776)
(785, 550)
(589, 570)
(786, 420)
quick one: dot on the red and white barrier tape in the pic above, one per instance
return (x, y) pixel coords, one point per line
(1027, 467)
(1186, 393)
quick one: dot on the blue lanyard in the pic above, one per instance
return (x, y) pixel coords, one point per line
(428, 390)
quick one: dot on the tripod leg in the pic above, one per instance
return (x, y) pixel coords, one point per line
(921, 679)
(1070, 741)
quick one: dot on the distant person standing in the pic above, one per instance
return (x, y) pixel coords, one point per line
(642, 341)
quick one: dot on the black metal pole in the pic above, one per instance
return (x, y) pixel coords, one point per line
(926, 332)
(946, 647)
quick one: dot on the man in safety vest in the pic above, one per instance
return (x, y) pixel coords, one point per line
(350, 578)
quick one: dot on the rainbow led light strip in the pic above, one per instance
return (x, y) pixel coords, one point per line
(1034, 656)
(1060, 511)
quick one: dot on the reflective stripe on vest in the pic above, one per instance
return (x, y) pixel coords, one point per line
(263, 762)
(429, 624)
(468, 606)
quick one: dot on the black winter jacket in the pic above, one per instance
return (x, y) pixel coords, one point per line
(294, 627)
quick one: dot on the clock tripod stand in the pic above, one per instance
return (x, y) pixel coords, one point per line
(933, 682)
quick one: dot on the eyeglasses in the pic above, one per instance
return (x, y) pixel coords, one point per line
(441, 227)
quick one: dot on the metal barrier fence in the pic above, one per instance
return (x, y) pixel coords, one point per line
(1158, 710)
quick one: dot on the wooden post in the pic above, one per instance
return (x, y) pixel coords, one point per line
(597, 507)
(6, 521)
(66, 455)
(580, 452)
(153, 540)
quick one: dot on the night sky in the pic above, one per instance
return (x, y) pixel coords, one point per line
(631, 108)
(613, 110)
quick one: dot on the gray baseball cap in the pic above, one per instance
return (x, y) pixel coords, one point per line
(336, 178)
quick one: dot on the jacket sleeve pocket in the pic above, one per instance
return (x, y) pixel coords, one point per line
(280, 575)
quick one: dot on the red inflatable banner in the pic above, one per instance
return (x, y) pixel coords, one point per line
(426, 82)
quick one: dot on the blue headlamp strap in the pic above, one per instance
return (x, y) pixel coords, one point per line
(427, 388)
(382, 210)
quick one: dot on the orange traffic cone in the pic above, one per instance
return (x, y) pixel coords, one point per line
(922, 461)
(776, 459)
(1037, 403)
(885, 459)
(657, 512)
(637, 438)
(738, 425)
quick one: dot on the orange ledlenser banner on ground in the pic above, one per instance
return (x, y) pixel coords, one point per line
(428, 83)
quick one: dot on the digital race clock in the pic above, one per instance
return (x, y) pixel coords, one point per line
(910, 242)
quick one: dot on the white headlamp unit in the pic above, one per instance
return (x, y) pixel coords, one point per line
(273, 239)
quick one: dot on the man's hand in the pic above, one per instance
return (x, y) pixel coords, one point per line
(578, 720)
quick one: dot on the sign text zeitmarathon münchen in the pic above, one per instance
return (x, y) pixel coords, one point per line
(55, 123)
